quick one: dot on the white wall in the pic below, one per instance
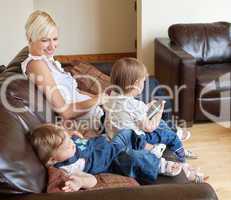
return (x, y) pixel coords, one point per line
(13, 15)
(106, 26)
(158, 15)
(93, 26)
(86, 26)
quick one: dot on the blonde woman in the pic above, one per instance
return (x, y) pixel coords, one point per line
(59, 87)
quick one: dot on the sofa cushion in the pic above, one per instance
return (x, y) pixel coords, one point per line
(15, 64)
(2, 68)
(20, 169)
(104, 66)
(207, 42)
(213, 74)
(57, 179)
(89, 78)
(107, 180)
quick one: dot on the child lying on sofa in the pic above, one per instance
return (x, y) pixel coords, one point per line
(78, 156)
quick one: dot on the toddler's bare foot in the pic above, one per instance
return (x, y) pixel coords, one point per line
(193, 174)
(170, 168)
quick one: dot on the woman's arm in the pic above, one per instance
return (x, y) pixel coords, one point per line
(39, 73)
(87, 93)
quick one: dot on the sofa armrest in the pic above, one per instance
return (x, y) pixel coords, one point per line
(177, 69)
(151, 192)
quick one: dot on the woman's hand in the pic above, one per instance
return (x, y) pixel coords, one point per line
(102, 98)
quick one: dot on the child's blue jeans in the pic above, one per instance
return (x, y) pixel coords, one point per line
(139, 163)
(164, 134)
(135, 162)
(124, 155)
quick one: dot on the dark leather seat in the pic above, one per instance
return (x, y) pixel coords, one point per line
(197, 56)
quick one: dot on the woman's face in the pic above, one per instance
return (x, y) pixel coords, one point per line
(46, 45)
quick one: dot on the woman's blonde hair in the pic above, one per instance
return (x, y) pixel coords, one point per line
(125, 73)
(39, 24)
(45, 139)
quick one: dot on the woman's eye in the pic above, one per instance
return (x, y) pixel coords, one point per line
(44, 39)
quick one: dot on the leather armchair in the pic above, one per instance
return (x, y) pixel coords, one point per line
(197, 59)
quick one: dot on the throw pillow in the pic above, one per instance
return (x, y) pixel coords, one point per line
(107, 180)
(57, 178)
(88, 77)
(2, 68)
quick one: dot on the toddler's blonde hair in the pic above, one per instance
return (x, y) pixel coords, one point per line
(45, 139)
(126, 71)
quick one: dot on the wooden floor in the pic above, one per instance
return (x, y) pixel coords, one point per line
(213, 144)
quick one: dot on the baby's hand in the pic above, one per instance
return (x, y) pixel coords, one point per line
(151, 102)
(155, 101)
(73, 184)
(79, 180)
(155, 121)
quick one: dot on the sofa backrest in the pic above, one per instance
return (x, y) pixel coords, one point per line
(15, 63)
(18, 91)
(20, 169)
(207, 42)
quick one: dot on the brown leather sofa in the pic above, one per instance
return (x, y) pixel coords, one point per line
(22, 176)
(197, 56)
